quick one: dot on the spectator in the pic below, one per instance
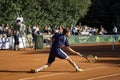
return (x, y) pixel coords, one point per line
(2, 29)
(16, 27)
(45, 30)
(35, 32)
(102, 31)
(93, 31)
(75, 30)
(115, 30)
(22, 29)
(49, 29)
(29, 30)
(20, 18)
(59, 29)
(85, 31)
(115, 33)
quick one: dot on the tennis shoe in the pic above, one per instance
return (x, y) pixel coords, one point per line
(79, 70)
(33, 71)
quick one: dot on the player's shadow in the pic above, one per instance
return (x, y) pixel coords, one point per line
(100, 51)
(13, 71)
(116, 62)
(36, 52)
(58, 71)
(109, 61)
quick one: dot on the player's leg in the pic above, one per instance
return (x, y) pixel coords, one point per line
(63, 55)
(40, 68)
(73, 64)
(51, 59)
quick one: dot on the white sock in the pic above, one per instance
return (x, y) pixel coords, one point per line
(76, 66)
(41, 68)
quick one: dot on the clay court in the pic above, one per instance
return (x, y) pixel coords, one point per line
(15, 65)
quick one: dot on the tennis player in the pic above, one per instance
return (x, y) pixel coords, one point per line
(59, 41)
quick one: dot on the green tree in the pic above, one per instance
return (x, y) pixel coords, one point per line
(43, 12)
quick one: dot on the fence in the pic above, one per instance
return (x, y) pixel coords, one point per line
(93, 39)
(8, 42)
(44, 41)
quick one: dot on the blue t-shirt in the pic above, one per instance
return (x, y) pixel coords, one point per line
(59, 40)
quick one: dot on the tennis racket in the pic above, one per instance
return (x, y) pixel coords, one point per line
(90, 58)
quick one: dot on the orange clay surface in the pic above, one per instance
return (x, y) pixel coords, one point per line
(15, 65)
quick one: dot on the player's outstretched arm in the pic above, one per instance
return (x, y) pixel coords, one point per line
(73, 51)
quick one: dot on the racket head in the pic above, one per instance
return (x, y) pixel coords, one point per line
(91, 58)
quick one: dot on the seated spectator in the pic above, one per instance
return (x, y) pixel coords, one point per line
(85, 31)
(102, 31)
(75, 31)
(45, 30)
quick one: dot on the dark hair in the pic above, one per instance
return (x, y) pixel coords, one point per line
(66, 30)
(60, 27)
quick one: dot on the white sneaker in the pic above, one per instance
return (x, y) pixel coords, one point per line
(33, 71)
(79, 70)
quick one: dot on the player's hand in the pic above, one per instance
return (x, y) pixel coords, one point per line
(78, 53)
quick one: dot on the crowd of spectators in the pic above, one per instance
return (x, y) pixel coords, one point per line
(6, 30)
(75, 30)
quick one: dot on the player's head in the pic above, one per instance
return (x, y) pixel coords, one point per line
(66, 31)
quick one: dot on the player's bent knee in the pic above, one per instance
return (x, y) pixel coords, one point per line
(67, 58)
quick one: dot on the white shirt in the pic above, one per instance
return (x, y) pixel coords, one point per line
(115, 29)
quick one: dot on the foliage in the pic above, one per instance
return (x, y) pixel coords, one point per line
(54, 12)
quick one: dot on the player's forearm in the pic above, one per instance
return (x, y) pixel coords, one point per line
(73, 51)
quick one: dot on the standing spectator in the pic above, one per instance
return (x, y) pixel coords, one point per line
(1, 29)
(45, 30)
(22, 29)
(16, 28)
(20, 18)
(35, 32)
(115, 33)
(29, 30)
(49, 29)
(115, 30)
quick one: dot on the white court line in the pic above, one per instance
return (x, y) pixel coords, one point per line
(95, 68)
(101, 77)
(29, 78)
